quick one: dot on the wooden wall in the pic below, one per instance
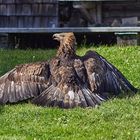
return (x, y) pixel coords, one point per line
(44, 13)
(117, 10)
(28, 13)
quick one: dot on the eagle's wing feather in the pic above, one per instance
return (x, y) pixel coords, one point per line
(80, 81)
(103, 77)
(23, 82)
(55, 96)
(68, 92)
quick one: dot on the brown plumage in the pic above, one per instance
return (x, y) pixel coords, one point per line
(66, 81)
(24, 82)
(80, 81)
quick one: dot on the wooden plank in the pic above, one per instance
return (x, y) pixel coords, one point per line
(27, 22)
(11, 10)
(131, 21)
(35, 1)
(18, 9)
(4, 21)
(53, 1)
(44, 10)
(20, 22)
(43, 22)
(39, 8)
(127, 39)
(118, 10)
(99, 12)
(47, 9)
(4, 40)
(52, 22)
(23, 1)
(35, 9)
(46, 1)
(7, 1)
(77, 29)
(124, 6)
(51, 9)
(102, 0)
(36, 22)
(115, 3)
(121, 14)
(3, 9)
(13, 22)
(23, 9)
(26, 9)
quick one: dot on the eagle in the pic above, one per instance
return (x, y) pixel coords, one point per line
(66, 81)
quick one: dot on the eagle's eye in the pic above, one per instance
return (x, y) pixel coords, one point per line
(62, 35)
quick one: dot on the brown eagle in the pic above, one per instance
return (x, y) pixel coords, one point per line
(66, 81)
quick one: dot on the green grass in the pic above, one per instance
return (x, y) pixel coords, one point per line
(115, 119)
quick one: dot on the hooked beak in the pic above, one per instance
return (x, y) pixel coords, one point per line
(55, 37)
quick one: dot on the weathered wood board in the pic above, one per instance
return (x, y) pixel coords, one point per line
(28, 13)
(119, 10)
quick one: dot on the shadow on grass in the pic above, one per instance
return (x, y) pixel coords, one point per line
(1, 109)
(124, 95)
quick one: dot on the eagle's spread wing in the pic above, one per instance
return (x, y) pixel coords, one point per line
(80, 81)
(23, 82)
(67, 81)
(102, 77)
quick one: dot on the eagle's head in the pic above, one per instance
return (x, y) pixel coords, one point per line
(65, 38)
(67, 43)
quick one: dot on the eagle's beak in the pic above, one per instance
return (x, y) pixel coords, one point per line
(56, 37)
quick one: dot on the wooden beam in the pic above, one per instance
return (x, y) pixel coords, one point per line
(98, 0)
(70, 29)
(99, 12)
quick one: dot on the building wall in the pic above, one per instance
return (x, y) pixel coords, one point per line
(28, 13)
(44, 13)
(119, 10)
(103, 12)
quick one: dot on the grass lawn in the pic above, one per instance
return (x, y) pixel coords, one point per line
(115, 119)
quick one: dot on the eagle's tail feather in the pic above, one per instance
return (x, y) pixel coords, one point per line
(53, 96)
